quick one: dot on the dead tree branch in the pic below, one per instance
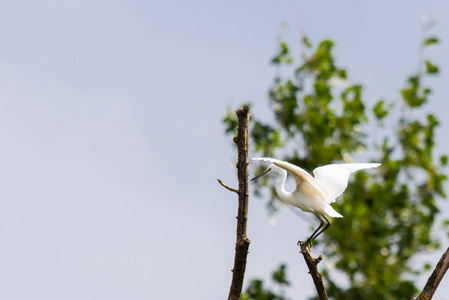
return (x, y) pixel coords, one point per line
(227, 187)
(242, 244)
(313, 270)
(435, 279)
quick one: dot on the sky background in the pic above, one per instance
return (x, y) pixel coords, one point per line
(110, 117)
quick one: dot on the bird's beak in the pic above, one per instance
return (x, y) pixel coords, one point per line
(261, 174)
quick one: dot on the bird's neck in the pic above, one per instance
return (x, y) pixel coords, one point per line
(280, 187)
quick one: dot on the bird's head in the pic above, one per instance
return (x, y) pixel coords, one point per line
(271, 169)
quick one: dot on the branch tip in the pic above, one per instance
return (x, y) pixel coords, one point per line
(227, 187)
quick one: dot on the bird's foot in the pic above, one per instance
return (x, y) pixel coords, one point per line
(308, 241)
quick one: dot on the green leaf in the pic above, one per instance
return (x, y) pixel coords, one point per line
(257, 291)
(306, 42)
(413, 94)
(431, 41)
(342, 74)
(433, 121)
(231, 122)
(283, 57)
(379, 111)
(279, 275)
(431, 68)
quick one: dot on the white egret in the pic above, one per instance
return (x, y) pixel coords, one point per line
(313, 195)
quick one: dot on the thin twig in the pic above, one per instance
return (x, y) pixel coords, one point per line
(435, 279)
(242, 244)
(313, 269)
(227, 187)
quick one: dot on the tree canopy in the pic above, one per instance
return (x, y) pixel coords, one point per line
(321, 118)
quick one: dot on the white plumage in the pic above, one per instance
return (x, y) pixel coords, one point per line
(313, 195)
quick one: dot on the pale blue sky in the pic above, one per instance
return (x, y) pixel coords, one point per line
(110, 117)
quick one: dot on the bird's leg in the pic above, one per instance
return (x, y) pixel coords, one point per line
(325, 227)
(313, 234)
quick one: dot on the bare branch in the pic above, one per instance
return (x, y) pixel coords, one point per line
(313, 270)
(242, 244)
(227, 187)
(435, 279)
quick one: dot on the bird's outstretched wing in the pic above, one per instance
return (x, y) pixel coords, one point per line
(334, 178)
(300, 175)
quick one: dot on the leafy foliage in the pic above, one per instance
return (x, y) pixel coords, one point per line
(257, 291)
(321, 118)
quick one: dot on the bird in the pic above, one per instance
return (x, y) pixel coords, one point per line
(313, 194)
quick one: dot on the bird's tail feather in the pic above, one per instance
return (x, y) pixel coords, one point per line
(332, 212)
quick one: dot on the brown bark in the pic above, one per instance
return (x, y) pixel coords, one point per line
(242, 244)
(313, 270)
(435, 279)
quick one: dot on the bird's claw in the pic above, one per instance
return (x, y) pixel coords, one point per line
(308, 241)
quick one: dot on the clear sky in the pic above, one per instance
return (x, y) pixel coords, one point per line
(110, 117)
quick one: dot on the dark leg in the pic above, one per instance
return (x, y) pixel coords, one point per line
(313, 234)
(325, 227)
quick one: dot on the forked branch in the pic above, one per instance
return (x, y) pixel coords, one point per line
(242, 244)
(435, 279)
(313, 270)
